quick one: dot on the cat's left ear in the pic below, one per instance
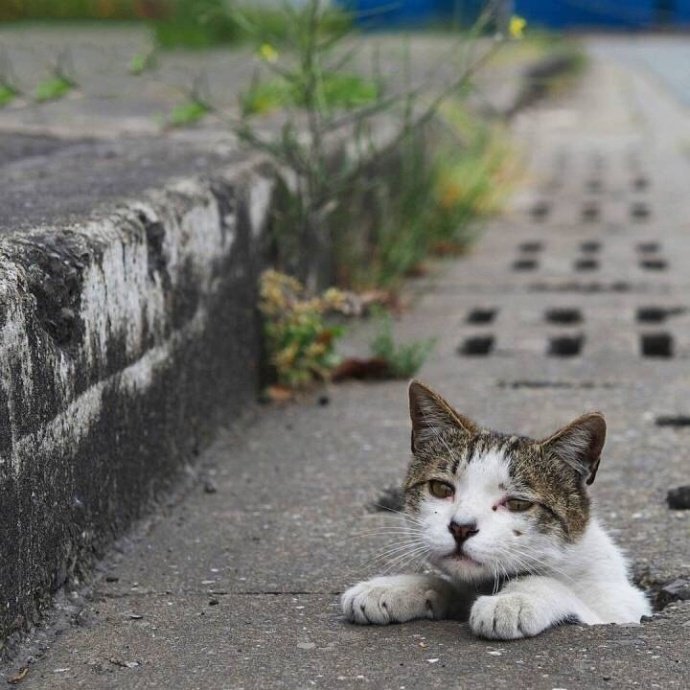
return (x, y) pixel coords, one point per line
(579, 444)
(431, 414)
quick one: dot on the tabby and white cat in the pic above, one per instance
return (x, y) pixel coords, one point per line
(488, 509)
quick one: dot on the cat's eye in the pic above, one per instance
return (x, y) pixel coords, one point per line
(518, 504)
(441, 489)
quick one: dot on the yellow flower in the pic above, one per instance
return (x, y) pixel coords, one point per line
(268, 53)
(516, 28)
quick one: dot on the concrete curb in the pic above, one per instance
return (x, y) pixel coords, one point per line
(124, 343)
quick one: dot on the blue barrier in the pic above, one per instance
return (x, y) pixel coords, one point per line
(552, 14)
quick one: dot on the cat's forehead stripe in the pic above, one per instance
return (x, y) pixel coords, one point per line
(481, 444)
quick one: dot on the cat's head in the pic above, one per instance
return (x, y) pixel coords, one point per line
(486, 504)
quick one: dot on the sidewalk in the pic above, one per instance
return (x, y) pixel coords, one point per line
(109, 101)
(236, 585)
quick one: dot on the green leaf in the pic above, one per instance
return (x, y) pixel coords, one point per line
(404, 360)
(52, 89)
(187, 113)
(7, 94)
(335, 90)
(141, 62)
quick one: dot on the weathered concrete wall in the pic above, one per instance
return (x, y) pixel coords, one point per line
(127, 339)
(124, 342)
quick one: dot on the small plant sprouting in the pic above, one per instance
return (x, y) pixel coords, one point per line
(8, 89)
(7, 94)
(300, 343)
(59, 83)
(195, 108)
(339, 91)
(188, 113)
(404, 360)
(142, 62)
(53, 88)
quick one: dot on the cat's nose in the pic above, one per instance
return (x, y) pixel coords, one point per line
(462, 532)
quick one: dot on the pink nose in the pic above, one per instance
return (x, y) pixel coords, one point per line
(462, 532)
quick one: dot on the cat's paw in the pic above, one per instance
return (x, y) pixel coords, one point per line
(395, 599)
(507, 617)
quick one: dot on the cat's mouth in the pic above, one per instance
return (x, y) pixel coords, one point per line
(461, 557)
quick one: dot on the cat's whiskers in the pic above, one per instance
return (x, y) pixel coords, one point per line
(400, 559)
(400, 525)
(403, 515)
(495, 578)
(403, 560)
(531, 561)
(396, 549)
(386, 533)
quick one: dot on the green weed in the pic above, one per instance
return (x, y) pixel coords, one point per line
(53, 88)
(429, 198)
(142, 62)
(338, 91)
(388, 202)
(300, 342)
(188, 113)
(7, 94)
(60, 82)
(404, 360)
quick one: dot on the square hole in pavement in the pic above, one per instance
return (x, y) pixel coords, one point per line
(653, 264)
(565, 345)
(652, 314)
(563, 316)
(525, 265)
(477, 346)
(656, 345)
(658, 314)
(648, 247)
(590, 212)
(640, 182)
(531, 247)
(481, 315)
(673, 420)
(540, 210)
(586, 265)
(640, 211)
(591, 247)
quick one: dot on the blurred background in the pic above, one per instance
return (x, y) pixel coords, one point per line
(554, 14)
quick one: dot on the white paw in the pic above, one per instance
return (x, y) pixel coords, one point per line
(395, 599)
(507, 617)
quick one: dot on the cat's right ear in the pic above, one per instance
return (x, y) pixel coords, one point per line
(431, 414)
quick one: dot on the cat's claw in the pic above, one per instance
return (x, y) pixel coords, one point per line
(507, 617)
(394, 599)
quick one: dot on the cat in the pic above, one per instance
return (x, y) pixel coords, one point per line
(489, 510)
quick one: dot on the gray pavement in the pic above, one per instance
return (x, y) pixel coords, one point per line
(666, 57)
(235, 584)
(109, 101)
